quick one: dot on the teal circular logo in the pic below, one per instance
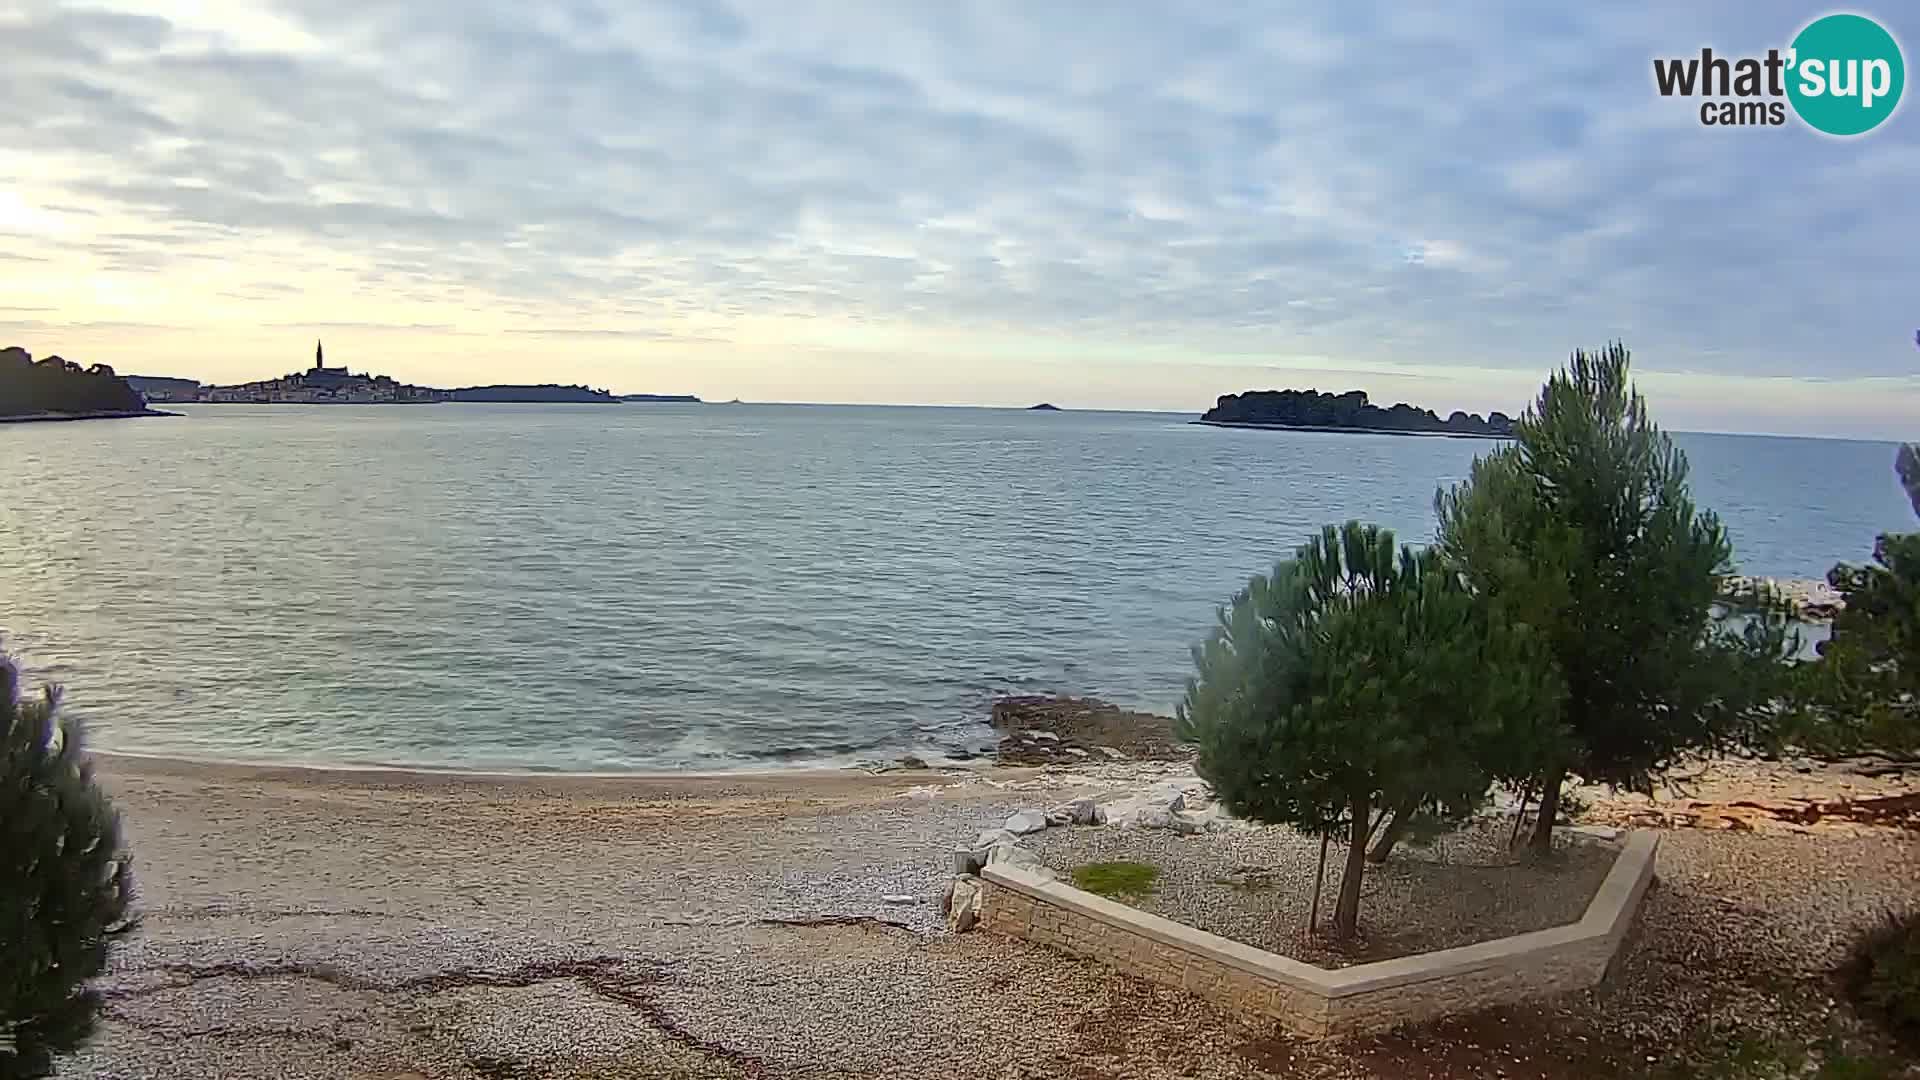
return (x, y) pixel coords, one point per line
(1845, 74)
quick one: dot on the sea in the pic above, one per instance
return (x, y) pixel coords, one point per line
(594, 588)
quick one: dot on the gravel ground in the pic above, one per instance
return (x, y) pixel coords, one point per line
(1256, 887)
(388, 927)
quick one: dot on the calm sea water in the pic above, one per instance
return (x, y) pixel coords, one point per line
(639, 587)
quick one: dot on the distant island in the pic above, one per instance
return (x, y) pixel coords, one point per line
(1310, 410)
(1045, 406)
(58, 389)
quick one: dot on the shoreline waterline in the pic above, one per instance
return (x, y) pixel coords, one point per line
(799, 776)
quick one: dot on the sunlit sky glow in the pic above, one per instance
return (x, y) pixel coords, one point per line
(1103, 205)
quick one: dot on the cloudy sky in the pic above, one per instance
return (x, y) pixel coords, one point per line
(1103, 204)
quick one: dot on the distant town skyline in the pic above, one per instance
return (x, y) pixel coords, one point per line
(1145, 209)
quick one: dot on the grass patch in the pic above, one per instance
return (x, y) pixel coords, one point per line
(1844, 1066)
(1116, 879)
(1741, 1055)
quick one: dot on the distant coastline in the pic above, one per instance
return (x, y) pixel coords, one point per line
(325, 385)
(1311, 410)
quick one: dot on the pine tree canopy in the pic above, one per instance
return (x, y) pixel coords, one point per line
(1356, 676)
(65, 885)
(1585, 529)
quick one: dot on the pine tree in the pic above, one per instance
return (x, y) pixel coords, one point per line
(65, 885)
(1864, 692)
(1352, 679)
(1585, 528)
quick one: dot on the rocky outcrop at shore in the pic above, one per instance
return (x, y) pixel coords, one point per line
(1350, 411)
(1813, 600)
(1048, 729)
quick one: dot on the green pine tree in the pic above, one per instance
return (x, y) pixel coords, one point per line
(1355, 678)
(1585, 529)
(1864, 692)
(65, 885)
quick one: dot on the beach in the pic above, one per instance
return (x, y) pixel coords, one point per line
(403, 925)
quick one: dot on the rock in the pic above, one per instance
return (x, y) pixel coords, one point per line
(968, 860)
(909, 761)
(1188, 824)
(1026, 821)
(990, 837)
(963, 904)
(899, 898)
(1040, 736)
(1111, 753)
(1015, 855)
(1077, 812)
(1168, 796)
(1099, 815)
(1802, 765)
(1153, 817)
(1073, 751)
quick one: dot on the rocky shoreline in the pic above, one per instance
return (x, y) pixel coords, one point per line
(1812, 599)
(1055, 729)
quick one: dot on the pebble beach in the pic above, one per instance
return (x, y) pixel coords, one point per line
(400, 926)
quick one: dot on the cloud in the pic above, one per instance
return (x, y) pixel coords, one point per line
(1473, 189)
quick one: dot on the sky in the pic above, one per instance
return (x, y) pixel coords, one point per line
(1102, 205)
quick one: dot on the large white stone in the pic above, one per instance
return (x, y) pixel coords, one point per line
(963, 905)
(1015, 855)
(989, 837)
(1153, 816)
(1077, 812)
(1026, 821)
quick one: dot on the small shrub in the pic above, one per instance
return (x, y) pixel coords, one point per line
(1116, 879)
(1883, 976)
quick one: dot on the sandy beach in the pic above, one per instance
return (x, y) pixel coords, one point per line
(399, 926)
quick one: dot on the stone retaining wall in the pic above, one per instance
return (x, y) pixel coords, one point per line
(1026, 903)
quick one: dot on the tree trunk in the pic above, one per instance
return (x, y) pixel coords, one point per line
(1396, 828)
(1319, 878)
(1346, 914)
(1549, 811)
(1519, 816)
